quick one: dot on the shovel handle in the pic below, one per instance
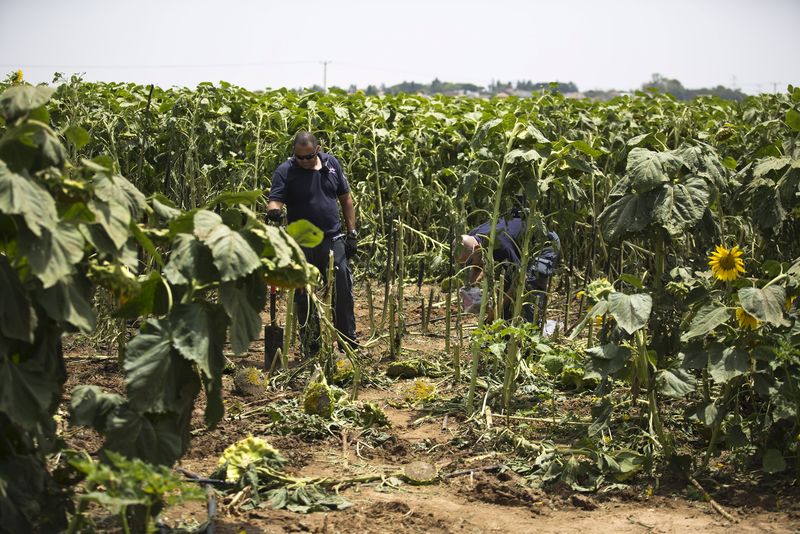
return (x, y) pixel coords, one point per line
(273, 314)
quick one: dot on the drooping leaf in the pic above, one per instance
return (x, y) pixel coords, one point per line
(607, 360)
(53, 256)
(706, 320)
(26, 392)
(151, 367)
(91, 406)
(164, 207)
(305, 233)
(707, 413)
(245, 318)
(51, 152)
(114, 218)
(22, 195)
(17, 320)
(157, 439)
(147, 244)
(627, 215)
(116, 188)
(189, 325)
(770, 164)
(215, 408)
(233, 256)
(598, 310)
(735, 437)
(765, 304)
(632, 280)
(630, 311)
(679, 207)
(151, 296)
(729, 363)
(189, 260)
(587, 149)
(536, 134)
(20, 99)
(676, 383)
(696, 356)
(647, 169)
(793, 119)
(67, 301)
(77, 136)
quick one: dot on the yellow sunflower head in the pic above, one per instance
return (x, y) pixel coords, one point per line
(726, 264)
(746, 320)
(18, 77)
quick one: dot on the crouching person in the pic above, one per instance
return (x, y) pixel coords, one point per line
(506, 254)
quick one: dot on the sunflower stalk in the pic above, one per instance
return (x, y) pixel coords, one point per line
(400, 283)
(488, 270)
(512, 354)
(371, 308)
(288, 327)
(327, 329)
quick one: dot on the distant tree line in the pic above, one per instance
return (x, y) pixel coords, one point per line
(526, 87)
(676, 89)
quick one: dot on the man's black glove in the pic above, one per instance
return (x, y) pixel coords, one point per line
(275, 216)
(351, 244)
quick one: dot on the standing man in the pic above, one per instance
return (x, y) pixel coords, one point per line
(311, 185)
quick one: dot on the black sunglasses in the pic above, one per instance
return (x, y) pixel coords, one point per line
(307, 157)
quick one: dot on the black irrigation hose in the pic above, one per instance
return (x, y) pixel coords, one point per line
(194, 477)
(211, 499)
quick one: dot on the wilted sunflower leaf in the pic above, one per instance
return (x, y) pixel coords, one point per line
(765, 304)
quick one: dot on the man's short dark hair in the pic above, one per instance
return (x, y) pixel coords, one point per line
(305, 138)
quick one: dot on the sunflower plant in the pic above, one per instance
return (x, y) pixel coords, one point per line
(740, 339)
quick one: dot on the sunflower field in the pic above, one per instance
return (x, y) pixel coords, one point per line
(132, 225)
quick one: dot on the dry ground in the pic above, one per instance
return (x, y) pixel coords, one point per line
(475, 503)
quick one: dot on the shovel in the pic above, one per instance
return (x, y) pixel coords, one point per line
(273, 334)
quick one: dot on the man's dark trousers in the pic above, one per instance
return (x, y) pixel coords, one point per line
(343, 315)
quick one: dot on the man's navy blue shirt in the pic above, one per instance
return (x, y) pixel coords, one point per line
(311, 194)
(508, 235)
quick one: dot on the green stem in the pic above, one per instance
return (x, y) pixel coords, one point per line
(715, 430)
(489, 266)
(124, 517)
(401, 321)
(287, 329)
(371, 306)
(511, 354)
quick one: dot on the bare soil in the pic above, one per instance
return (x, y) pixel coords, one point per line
(475, 502)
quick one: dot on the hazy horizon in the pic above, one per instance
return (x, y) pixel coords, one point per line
(744, 44)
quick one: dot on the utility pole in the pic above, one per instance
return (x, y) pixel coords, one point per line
(325, 75)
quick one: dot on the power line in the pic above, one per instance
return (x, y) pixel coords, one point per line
(162, 66)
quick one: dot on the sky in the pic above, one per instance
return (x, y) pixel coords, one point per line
(753, 45)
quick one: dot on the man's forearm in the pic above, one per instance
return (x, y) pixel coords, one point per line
(349, 211)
